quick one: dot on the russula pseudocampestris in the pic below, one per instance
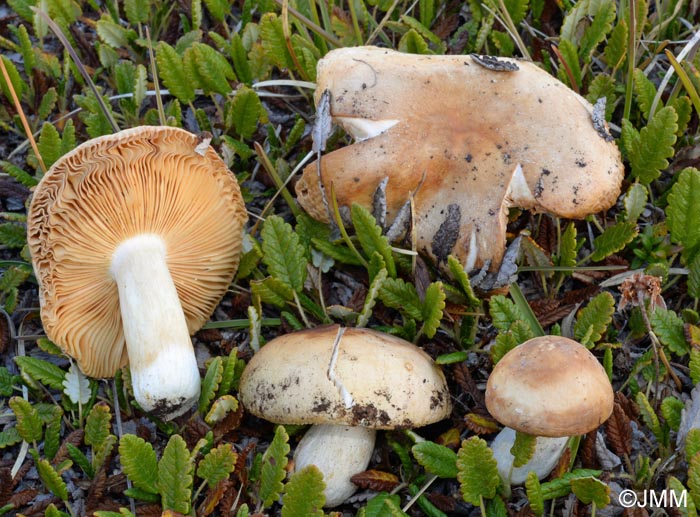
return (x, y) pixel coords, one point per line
(467, 137)
(134, 238)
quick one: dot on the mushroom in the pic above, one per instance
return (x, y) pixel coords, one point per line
(134, 238)
(467, 138)
(551, 387)
(347, 383)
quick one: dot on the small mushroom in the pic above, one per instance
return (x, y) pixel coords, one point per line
(467, 137)
(347, 383)
(134, 238)
(551, 387)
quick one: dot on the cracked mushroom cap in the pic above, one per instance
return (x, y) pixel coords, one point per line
(467, 137)
(377, 381)
(145, 180)
(549, 386)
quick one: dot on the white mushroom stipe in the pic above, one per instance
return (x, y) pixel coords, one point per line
(157, 340)
(545, 458)
(339, 452)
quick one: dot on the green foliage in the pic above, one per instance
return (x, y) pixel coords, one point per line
(649, 149)
(303, 493)
(504, 312)
(477, 471)
(436, 459)
(613, 239)
(593, 320)
(635, 201)
(534, 494)
(650, 418)
(217, 465)
(523, 448)
(433, 305)
(683, 212)
(210, 384)
(29, 425)
(671, 408)
(245, 112)
(401, 295)
(139, 462)
(669, 328)
(692, 444)
(43, 371)
(52, 479)
(274, 462)
(283, 254)
(172, 73)
(175, 478)
(12, 235)
(370, 236)
(645, 92)
(591, 490)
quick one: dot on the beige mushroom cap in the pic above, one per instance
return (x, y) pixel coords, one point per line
(145, 180)
(381, 381)
(467, 141)
(549, 386)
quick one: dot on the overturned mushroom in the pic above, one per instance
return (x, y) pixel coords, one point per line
(348, 383)
(551, 387)
(467, 137)
(134, 239)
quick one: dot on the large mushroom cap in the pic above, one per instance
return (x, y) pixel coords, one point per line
(469, 137)
(549, 386)
(145, 180)
(377, 381)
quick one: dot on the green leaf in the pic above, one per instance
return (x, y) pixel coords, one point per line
(52, 435)
(172, 73)
(694, 477)
(452, 357)
(98, 425)
(635, 201)
(371, 297)
(273, 471)
(436, 459)
(433, 305)
(381, 505)
(113, 34)
(477, 471)
(272, 290)
(504, 312)
(52, 479)
(273, 41)
(692, 443)
(523, 448)
(694, 365)
(568, 248)
(220, 408)
(9, 436)
(650, 418)
(336, 252)
(616, 49)
(370, 236)
(240, 60)
(80, 459)
(244, 112)
(12, 235)
(282, 253)
(101, 453)
(683, 211)
(561, 487)
(175, 476)
(137, 11)
(593, 320)
(208, 68)
(653, 146)
(591, 490)
(138, 460)
(49, 144)
(397, 294)
(20, 175)
(613, 239)
(462, 279)
(45, 372)
(303, 493)
(645, 92)
(210, 384)
(571, 58)
(671, 408)
(218, 9)
(534, 494)
(669, 328)
(686, 506)
(412, 43)
(217, 465)
(15, 79)
(233, 367)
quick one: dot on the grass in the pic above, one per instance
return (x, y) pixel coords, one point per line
(243, 71)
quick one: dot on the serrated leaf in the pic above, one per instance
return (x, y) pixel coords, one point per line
(635, 201)
(101, 453)
(412, 43)
(218, 9)
(138, 460)
(613, 239)
(645, 92)
(593, 320)
(616, 49)
(244, 112)
(273, 470)
(569, 53)
(462, 279)
(52, 435)
(397, 294)
(220, 408)
(568, 247)
(240, 60)
(18, 174)
(669, 328)
(523, 448)
(650, 417)
(371, 298)
(272, 290)
(282, 253)
(273, 41)
(172, 73)
(76, 386)
(370, 236)
(382, 505)
(436, 459)
(210, 384)
(12, 235)
(233, 367)
(433, 305)
(303, 493)
(477, 471)
(52, 480)
(534, 494)
(692, 443)
(671, 408)
(217, 465)
(683, 211)
(591, 490)
(9, 436)
(504, 312)
(137, 11)
(113, 34)
(208, 68)
(452, 357)
(686, 507)
(15, 79)
(650, 152)
(80, 459)
(694, 365)
(43, 371)
(49, 144)
(337, 252)
(98, 425)
(694, 477)
(561, 487)
(175, 470)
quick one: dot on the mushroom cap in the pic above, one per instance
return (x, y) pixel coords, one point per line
(468, 137)
(145, 180)
(549, 386)
(393, 384)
